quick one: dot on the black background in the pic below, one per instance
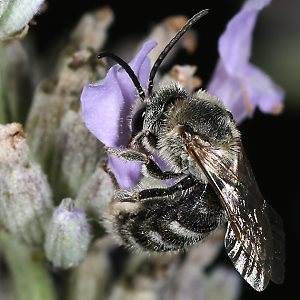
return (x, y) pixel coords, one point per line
(271, 142)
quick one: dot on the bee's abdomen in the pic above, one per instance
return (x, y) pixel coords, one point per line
(167, 224)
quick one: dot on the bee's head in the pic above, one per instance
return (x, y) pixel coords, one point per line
(149, 112)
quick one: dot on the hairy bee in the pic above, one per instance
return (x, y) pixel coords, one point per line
(213, 181)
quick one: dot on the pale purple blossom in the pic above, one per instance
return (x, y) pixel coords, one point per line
(106, 108)
(241, 85)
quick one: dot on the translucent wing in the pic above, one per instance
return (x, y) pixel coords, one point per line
(254, 239)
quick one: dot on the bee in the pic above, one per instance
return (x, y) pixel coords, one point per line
(213, 183)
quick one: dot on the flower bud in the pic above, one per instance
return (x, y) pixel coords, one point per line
(14, 16)
(185, 75)
(75, 157)
(13, 146)
(25, 196)
(95, 195)
(164, 31)
(68, 235)
(91, 31)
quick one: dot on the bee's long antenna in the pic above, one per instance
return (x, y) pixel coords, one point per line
(171, 44)
(127, 69)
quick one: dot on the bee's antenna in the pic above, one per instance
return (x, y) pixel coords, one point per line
(171, 44)
(127, 69)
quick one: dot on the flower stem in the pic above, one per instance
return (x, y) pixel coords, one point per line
(2, 104)
(29, 274)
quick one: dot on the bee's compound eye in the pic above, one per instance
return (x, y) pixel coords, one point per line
(138, 120)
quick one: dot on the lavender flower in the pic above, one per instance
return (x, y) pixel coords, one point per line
(106, 107)
(241, 85)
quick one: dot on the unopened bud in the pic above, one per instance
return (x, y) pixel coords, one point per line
(68, 235)
(15, 15)
(164, 31)
(25, 195)
(185, 75)
(95, 195)
(77, 153)
(13, 146)
(91, 31)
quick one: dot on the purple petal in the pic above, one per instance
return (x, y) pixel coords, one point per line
(236, 42)
(229, 90)
(101, 108)
(141, 67)
(141, 63)
(106, 108)
(127, 173)
(106, 105)
(241, 86)
(263, 93)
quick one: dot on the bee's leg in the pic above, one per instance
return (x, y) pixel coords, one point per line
(183, 185)
(112, 176)
(152, 168)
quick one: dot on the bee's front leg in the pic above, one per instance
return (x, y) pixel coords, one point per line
(151, 166)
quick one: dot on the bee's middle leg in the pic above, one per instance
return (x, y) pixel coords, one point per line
(152, 167)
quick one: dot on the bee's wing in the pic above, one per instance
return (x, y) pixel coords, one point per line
(254, 239)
